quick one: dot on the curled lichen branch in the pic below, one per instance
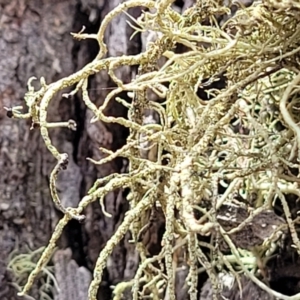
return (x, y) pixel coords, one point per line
(285, 113)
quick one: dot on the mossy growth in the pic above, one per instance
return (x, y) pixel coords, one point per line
(22, 264)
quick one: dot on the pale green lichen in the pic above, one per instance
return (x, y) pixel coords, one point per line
(248, 51)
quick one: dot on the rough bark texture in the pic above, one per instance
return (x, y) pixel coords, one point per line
(34, 41)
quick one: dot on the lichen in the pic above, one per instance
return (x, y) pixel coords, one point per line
(243, 136)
